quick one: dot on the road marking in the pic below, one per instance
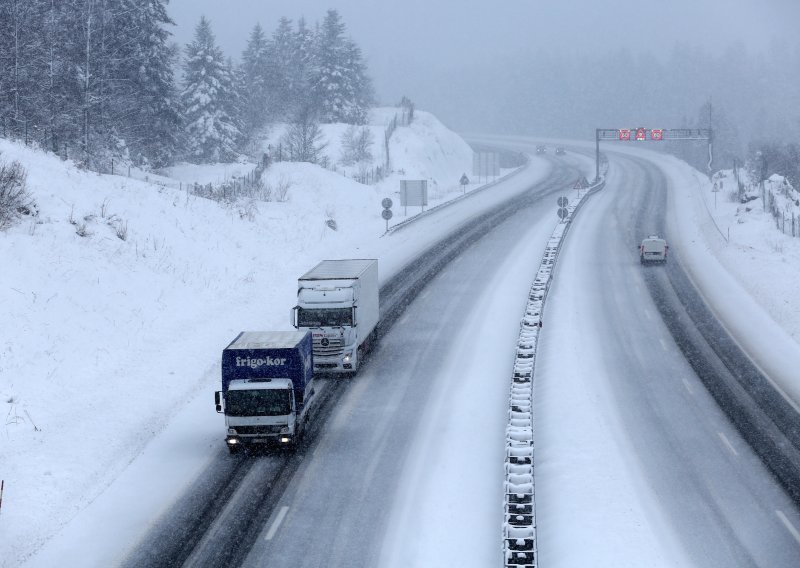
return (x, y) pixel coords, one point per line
(403, 319)
(647, 314)
(276, 523)
(663, 344)
(727, 443)
(788, 524)
(688, 386)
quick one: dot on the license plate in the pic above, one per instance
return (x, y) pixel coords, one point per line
(260, 440)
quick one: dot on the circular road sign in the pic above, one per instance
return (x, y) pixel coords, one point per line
(386, 214)
(562, 213)
(386, 203)
(563, 201)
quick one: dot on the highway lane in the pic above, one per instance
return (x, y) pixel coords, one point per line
(334, 511)
(228, 507)
(699, 481)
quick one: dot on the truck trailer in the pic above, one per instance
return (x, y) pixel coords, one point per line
(267, 388)
(337, 301)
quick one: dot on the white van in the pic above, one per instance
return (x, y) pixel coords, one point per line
(653, 249)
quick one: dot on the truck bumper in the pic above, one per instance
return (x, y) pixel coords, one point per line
(334, 364)
(281, 439)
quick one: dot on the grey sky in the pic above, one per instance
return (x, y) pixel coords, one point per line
(408, 43)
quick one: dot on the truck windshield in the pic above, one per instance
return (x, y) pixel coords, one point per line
(324, 317)
(261, 402)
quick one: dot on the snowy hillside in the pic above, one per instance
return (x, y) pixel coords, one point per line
(108, 332)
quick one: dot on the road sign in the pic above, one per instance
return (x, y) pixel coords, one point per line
(386, 214)
(386, 203)
(624, 134)
(464, 180)
(657, 134)
(562, 213)
(485, 164)
(641, 133)
(563, 201)
(413, 192)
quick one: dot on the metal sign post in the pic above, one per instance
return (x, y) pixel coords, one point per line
(387, 211)
(641, 134)
(464, 181)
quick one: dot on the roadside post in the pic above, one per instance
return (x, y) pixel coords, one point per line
(562, 208)
(387, 211)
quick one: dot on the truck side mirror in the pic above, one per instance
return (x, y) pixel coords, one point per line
(218, 400)
(293, 317)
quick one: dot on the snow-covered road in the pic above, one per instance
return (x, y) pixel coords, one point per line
(635, 464)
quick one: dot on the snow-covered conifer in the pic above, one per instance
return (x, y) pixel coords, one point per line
(211, 131)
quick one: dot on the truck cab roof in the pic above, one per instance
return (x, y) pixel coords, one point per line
(346, 269)
(251, 384)
(267, 340)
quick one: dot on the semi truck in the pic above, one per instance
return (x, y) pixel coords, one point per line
(267, 388)
(337, 301)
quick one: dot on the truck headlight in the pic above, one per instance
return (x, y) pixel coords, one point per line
(347, 356)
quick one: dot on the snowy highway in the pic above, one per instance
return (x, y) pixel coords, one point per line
(341, 486)
(636, 465)
(635, 460)
(410, 394)
(633, 453)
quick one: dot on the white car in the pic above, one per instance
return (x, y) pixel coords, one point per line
(653, 249)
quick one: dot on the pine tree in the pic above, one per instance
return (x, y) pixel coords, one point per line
(211, 131)
(20, 47)
(252, 81)
(57, 83)
(303, 65)
(341, 89)
(145, 104)
(281, 60)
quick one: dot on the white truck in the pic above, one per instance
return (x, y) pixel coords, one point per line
(653, 249)
(337, 301)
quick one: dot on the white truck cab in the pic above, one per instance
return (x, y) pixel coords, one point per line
(653, 249)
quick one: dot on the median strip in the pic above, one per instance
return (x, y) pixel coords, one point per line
(519, 527)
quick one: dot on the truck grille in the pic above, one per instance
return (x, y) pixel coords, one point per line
(327, 346)
(258, 430)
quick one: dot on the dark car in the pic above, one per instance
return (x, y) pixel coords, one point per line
(560, 151)
(541, 149)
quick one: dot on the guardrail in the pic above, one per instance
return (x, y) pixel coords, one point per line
(519, 528)
(477, 190)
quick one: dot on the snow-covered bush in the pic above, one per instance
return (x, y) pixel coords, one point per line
(15, 200)
(356, 145)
